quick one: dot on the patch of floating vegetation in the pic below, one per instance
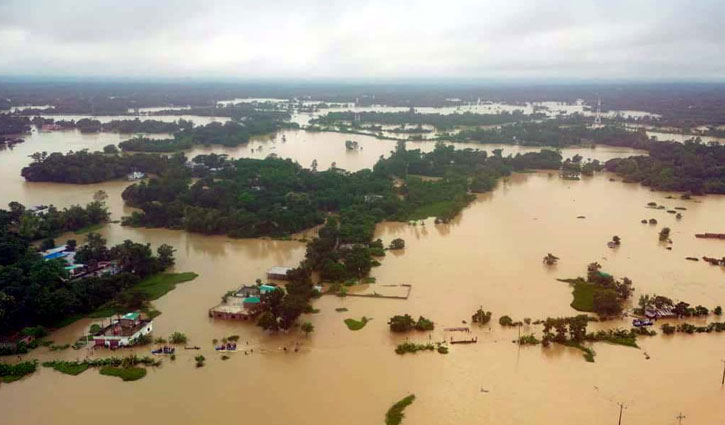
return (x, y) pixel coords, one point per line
(395, 415)
(356, 325)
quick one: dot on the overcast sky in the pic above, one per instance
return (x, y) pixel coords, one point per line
(362, 39)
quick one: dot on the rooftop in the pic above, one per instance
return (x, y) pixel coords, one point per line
(279, 270)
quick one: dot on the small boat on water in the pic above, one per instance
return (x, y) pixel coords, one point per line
(229, 346)
(465, 341)
(710, 235)
(164, 350)
(638, 323)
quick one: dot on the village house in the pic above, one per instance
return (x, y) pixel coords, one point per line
(278, 272)
(244, 304)
(14, 341)
(122, 331)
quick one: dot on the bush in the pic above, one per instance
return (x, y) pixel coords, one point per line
(424, 324)
(668, 329)
(142, 340)
(401, 323)
(110, 149)
(529, 339)
(481, 317)
(356, 325)
(125, 373)
(394, 415)
(13, 372)
(178, 338)
(505, 321)
(397, 244)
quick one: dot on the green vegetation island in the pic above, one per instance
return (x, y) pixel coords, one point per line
(57, 286)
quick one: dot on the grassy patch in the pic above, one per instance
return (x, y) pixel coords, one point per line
(125, 373)
(158, 285)
(356, 325)
(91, 228)
(588, 352)
(153, 287)
(395, 415)
(583, 294)
(13, 372)
(436, 209)
(627, 342)
(69, 368)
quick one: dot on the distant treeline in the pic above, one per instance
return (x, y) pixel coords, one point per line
(683, 105)
(228, 134)
(10, 125)
(553, 133)
(440, 121)
(237, 112)
(89, 125)
(687, 167)
(85, 167)
(511, 128)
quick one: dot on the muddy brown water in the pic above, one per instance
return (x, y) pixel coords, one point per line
(489, 255)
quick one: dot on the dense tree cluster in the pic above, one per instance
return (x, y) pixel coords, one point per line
(688, 167)
(599, 292)
(144, 144)
(49, 222)
(85, 167)
(252, 111)
(558, 132)
(10, 125)
(405, 323)
(228, 134)
(38, 292)
(440, 121)
(90, 125)
(282, 307)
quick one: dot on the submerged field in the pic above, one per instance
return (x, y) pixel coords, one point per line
(489, 255)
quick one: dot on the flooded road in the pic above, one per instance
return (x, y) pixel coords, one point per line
(490, 255)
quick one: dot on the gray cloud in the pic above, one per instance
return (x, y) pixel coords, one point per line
(494, 39)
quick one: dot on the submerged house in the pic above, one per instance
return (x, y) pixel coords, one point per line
(244, 304)
(278, 272)
(122, 331)
(97, 269)
(57, 252)
(136, 175)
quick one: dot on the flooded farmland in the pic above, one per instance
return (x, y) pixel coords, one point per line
(490, 255)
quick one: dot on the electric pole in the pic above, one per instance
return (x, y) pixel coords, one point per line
(723, 373)
(680, 417)
(621, 407)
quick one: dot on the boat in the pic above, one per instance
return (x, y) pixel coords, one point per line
(164, 350)
(228, 347)
(465, 341)
(638, 323)
(710, 235)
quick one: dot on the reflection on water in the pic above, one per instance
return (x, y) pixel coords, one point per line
(489, 255)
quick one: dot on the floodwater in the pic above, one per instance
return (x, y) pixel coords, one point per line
(489, 255)
(328, 147)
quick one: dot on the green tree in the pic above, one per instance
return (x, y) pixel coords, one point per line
(307, 328)
(400, 323)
